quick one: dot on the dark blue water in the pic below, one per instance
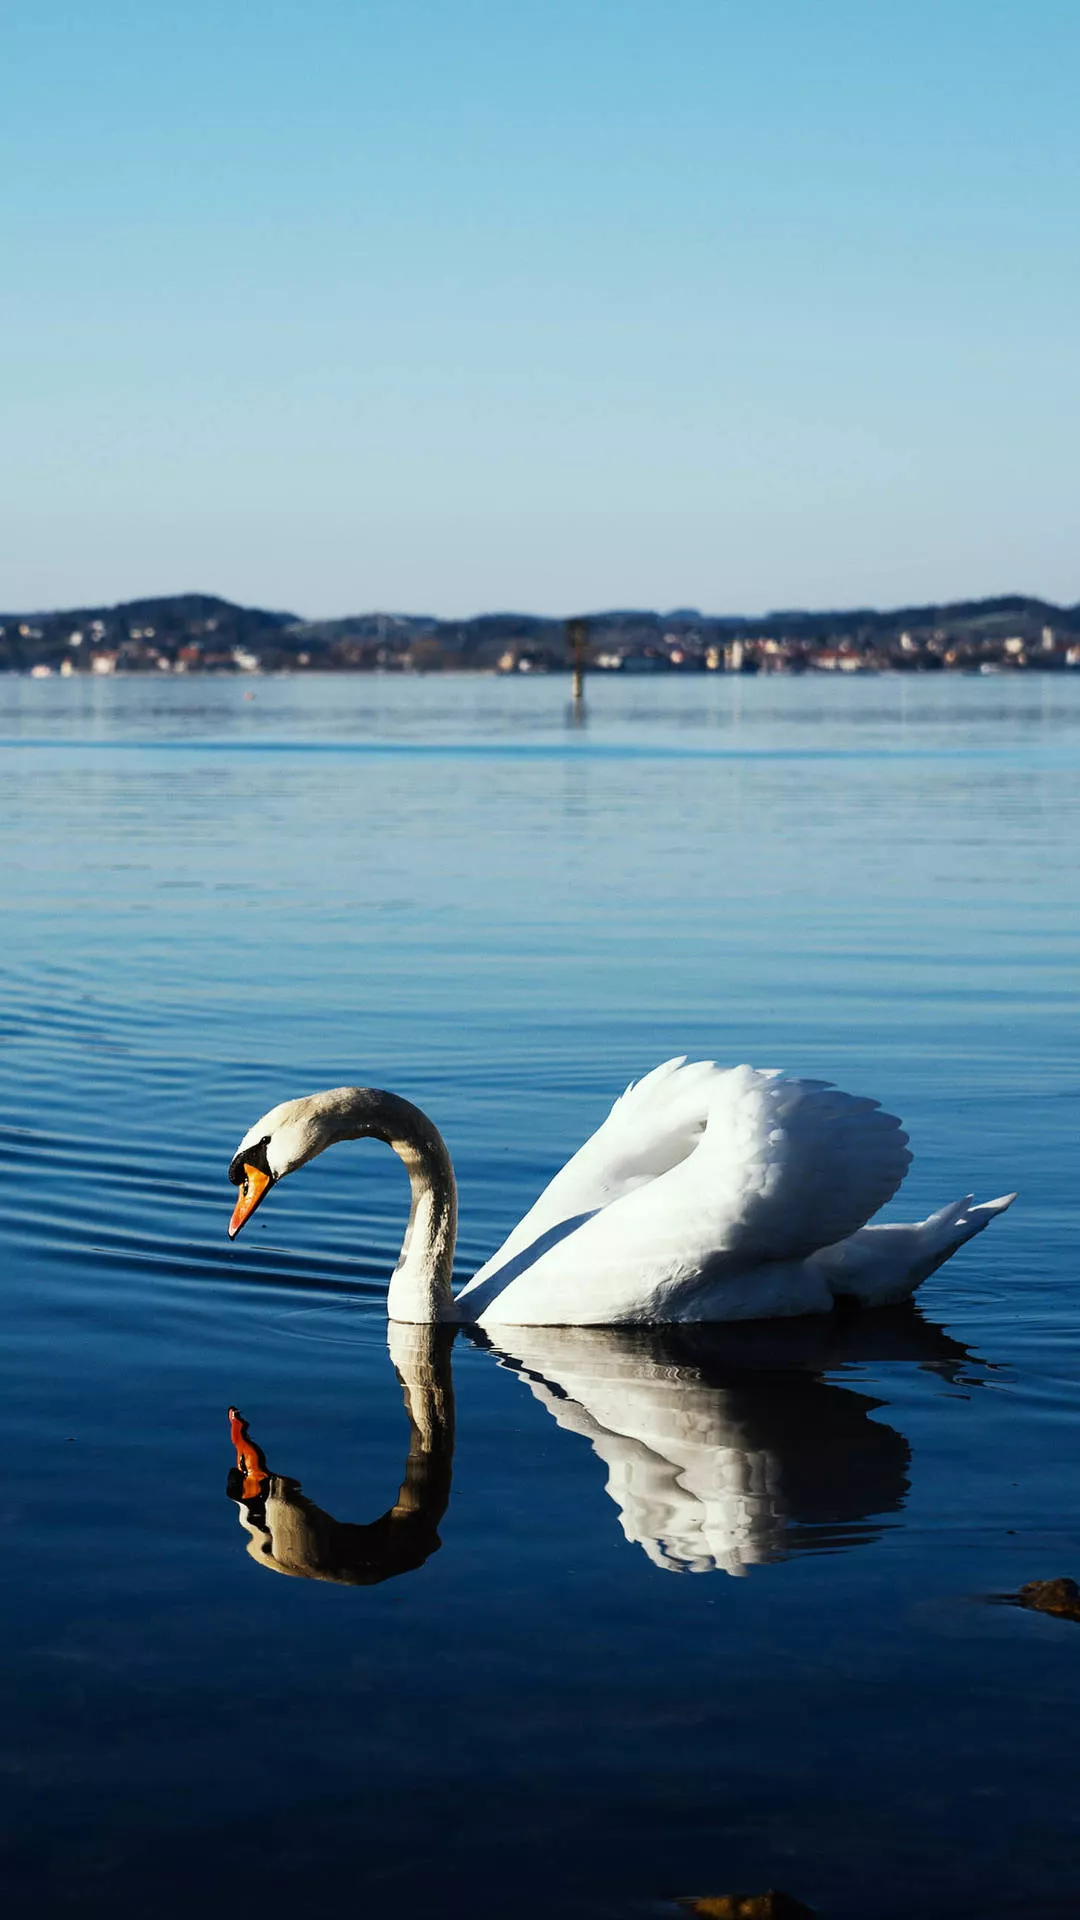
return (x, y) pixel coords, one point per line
(615, 1621)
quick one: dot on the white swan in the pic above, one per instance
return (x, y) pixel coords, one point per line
(708, 1194)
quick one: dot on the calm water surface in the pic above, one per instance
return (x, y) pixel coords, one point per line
(649, 1617)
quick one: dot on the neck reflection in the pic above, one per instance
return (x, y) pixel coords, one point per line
(290, 1534)
(725, 1447)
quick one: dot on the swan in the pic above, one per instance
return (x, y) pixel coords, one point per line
(708, 1194)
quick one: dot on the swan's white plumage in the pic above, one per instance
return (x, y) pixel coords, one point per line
(708, 1194)
(697, 1175)
(654, 1125)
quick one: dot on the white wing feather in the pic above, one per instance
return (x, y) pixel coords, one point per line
(653, 1126)
(798, 1164)
(695, 1172)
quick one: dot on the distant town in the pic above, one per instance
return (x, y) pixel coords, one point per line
(197, 633)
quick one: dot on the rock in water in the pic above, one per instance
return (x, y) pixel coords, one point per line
(748, 1906)
(1060, 1597)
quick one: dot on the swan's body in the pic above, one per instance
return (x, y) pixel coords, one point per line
(708, 1194)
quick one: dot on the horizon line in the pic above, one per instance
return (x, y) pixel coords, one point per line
(508, 613)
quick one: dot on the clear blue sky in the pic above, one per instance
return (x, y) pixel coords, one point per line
(445, 305)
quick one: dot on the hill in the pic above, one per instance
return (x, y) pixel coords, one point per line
(197, 632)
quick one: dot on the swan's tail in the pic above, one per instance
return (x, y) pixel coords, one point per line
(880, 1265)
(947, 1229)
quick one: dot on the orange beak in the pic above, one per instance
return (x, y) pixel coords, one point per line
(252, 1188)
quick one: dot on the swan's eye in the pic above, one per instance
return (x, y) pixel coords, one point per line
(250, 1165)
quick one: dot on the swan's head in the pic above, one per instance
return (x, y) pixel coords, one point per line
(290, 1135)
(284, 1139)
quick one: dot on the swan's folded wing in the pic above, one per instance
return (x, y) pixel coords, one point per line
(799, 1165)
(782, 1168)
(653, 1126)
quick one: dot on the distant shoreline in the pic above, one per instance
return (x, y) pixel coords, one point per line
(201, 633)
(886, 670)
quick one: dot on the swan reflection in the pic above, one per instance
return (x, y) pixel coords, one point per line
(290, 1534)
(725, 1447)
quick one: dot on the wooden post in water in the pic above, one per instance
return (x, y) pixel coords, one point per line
(577, 643)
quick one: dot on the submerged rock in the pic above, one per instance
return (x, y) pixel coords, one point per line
(1059, 1597)
(749, 1906)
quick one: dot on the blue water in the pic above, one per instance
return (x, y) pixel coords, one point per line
(619, 1679)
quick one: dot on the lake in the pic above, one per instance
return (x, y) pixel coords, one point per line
(651, 1617)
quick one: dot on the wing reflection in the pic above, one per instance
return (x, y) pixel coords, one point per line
(290, 1534)
(724, 1446)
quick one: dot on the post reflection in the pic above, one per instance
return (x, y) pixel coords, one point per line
(290, 1534)
(725, 1447)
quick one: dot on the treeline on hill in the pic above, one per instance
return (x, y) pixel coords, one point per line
(199, 632)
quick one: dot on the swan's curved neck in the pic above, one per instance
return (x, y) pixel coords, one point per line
(420, 1289)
